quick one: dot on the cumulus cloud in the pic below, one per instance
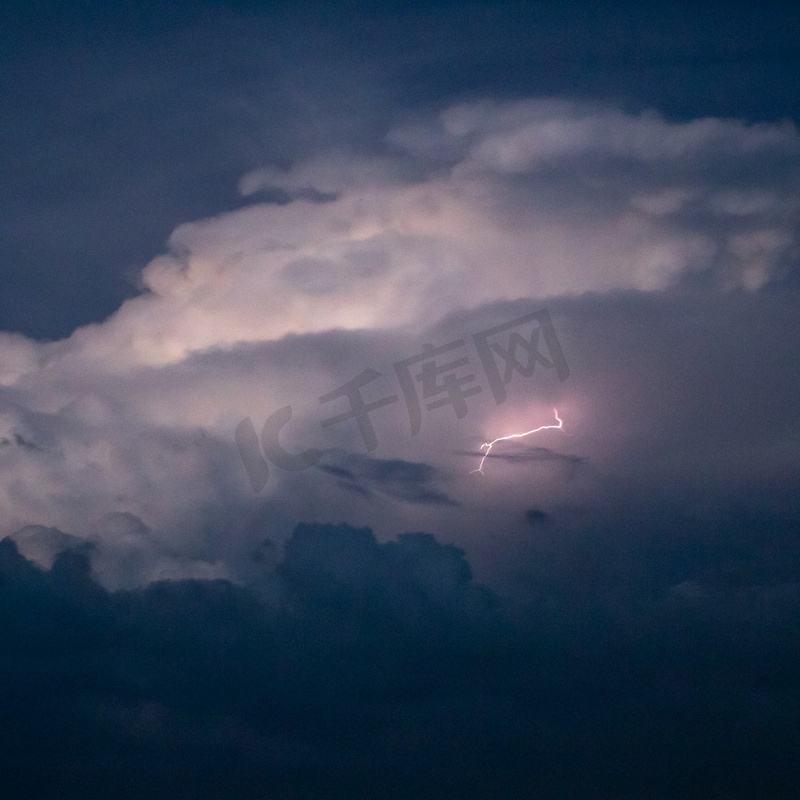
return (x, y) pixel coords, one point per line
(486, 201)
(468, 218)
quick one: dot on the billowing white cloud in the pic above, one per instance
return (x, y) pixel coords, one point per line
(465, 214)
(485, 202)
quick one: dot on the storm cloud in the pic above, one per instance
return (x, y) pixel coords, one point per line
(608, 218)
(303, 266)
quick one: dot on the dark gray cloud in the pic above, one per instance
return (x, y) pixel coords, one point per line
(361, 665)
(535, 516)
(521, 454)
(406, 481)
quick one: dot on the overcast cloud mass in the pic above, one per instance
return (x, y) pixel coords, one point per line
(227, 226)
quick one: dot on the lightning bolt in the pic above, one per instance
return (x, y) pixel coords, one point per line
(489, 445)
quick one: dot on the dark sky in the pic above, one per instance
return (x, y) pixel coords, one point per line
(277, 283)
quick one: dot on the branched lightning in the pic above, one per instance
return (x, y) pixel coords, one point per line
(488, 445)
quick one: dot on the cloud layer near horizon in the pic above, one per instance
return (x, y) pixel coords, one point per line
(358, 663)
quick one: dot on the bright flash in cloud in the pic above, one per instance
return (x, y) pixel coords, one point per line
(488, 445)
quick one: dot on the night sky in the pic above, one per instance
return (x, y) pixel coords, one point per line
(277, 279)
